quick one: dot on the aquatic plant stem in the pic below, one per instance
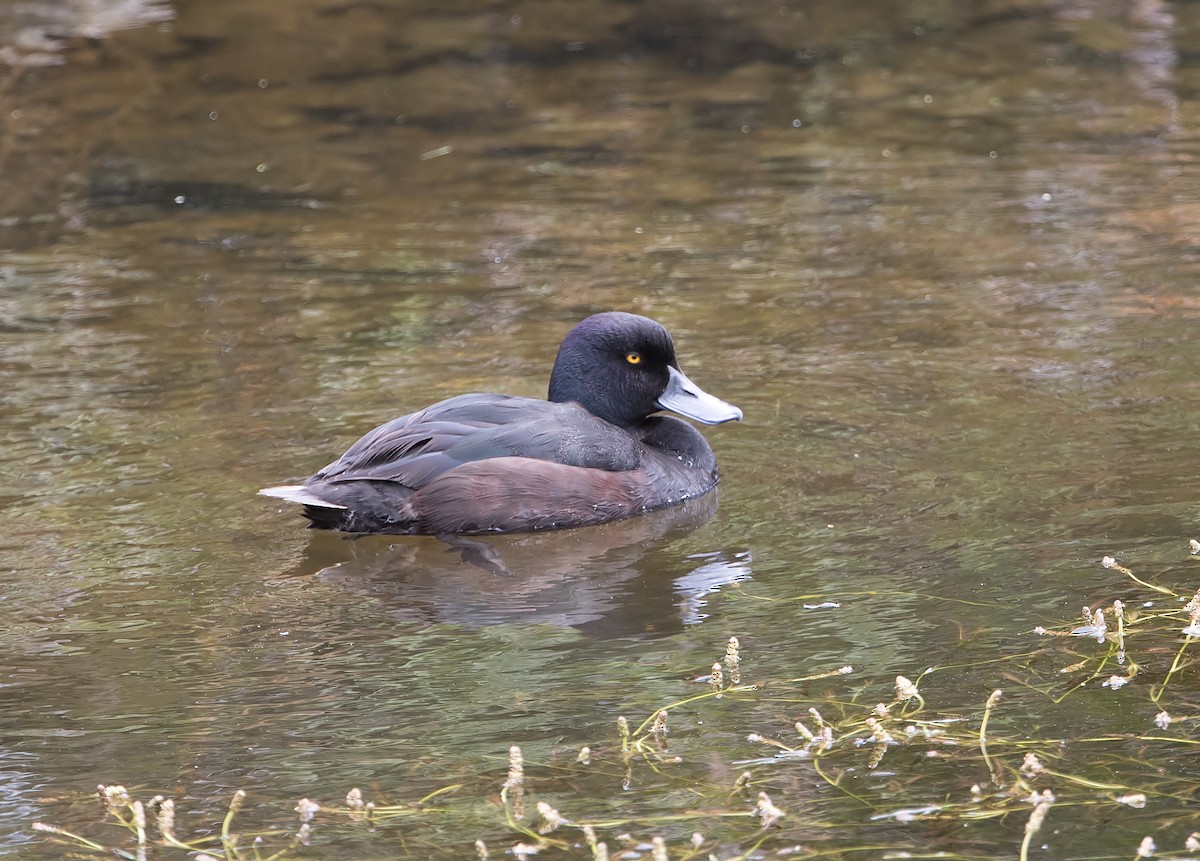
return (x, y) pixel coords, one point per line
(518, 826)
(1096, 673)
(707, 695)
(229, 841)
(1032, 827)
(451, 788)
(838, 786)
(1176, 665)
(82, 841)
(752, 851)
(1136, 579)
(993, 768)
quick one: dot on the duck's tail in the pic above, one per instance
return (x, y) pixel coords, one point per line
(370, 510)
(300, 495)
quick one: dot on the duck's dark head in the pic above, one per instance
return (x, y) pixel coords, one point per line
(622, 367)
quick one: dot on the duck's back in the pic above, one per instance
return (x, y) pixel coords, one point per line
(415, 449)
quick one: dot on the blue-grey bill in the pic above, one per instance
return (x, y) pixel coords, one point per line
(689, 400)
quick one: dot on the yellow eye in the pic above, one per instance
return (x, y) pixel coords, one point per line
(633, 358)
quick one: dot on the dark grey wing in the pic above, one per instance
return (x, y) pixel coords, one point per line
(414, 449)
(429, 432)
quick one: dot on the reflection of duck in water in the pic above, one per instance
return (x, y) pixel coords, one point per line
(495, 463)
(629, 578)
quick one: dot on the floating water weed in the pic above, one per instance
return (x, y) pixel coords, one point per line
(623, 731)
(637, 742)
(70, 837)
(1094, 625)
(659, 728)
(599, 850)
(551, 819)
(1034, 824)
(307, 809)
(717, 679)
(906, 691)
(1111, 562)
(229, 840)
(358, 810)
(882, 738)
(912, 814)
(733, 661)
(878, 734)
(166, 819)
(987, 764)
(1192, 603)
(1131, 627)
(768, 813)
(645, 743)
(822, 739)
(116, 799)
(1192, 629)
(139, 825)
(131, 814)
(1119, 616)
(512, 794)
(513, 791)
(516, 768)
(524, 850)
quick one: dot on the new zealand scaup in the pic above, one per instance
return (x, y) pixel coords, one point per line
(497, 463)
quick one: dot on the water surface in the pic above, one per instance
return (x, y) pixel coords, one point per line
(942, 255)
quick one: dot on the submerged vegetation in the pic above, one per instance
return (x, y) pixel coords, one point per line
(828, 770)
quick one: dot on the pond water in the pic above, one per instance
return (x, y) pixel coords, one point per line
(943, 255)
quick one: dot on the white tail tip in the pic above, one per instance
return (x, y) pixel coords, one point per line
(299, 494)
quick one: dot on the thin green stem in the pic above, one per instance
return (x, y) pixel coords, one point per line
(993, 768)
(1157, 692)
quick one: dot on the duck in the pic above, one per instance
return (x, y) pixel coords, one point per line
(594, 451)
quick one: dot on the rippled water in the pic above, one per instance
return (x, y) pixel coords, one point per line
(942, 255)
